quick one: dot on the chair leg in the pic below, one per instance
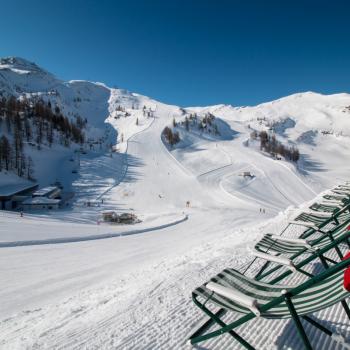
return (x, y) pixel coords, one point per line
(243, 342)
(330, 260)
(298, 323)
(346, 308)
(343, 302)
(323, 261)
(263, 268)
(338, 252)
(347, 241)
(317, 325)
(305, 272)
(336, 247)
(203, 328)
(196, 337)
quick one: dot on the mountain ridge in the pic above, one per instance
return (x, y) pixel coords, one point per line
(15, 62)
(305, 120)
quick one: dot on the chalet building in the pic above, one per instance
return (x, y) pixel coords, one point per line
(44, 198)
(40, 203)
(48, 192)
(11, 196)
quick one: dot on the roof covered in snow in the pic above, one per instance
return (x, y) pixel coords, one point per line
(41, 200)
(9, 190)
(45, 191)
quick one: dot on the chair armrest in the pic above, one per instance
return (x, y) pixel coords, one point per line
(340, 190)
(343, 188)
(323, 214)
(235, 296)
(304, 223)
(276, 259)
(335, 193)
(332, 203)
(298, 241)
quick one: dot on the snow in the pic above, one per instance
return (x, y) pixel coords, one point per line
(45, 191)
(10, 185)
(71, 281)
(41, 200)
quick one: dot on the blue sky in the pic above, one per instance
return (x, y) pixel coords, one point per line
(187, 52)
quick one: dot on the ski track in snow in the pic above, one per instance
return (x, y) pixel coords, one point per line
(124, 166)
(117, 317)
(88, 237)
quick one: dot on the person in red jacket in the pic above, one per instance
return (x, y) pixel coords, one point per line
(347, 271)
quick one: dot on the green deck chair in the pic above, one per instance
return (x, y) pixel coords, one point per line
(341, 189)
(287, 250)
(314, 222)
(326, 207)
(315, 218)
(334, 197)
(232, 291)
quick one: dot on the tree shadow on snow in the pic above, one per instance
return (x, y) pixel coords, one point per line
(132, 173)
(193, 148)
(104, 174)
(226, 133)
(307, 165)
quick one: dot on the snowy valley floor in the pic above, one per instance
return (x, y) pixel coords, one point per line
(84, 293)
(133, 292)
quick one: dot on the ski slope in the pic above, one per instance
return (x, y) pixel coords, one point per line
(71, 283)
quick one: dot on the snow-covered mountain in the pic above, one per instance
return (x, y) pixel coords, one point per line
(72, 283)
(93, 102)
(317, 125)
(299, 113)
(19, 77)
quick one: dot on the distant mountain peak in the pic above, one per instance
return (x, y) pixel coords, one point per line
(21, 64)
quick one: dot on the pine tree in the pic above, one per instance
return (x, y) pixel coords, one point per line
(187, 124)
(50, 134)
(27, 130)
(5, 152)
(30, 168)
(22, 165)
(8, 122)
(171, 137)
(18, 146)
